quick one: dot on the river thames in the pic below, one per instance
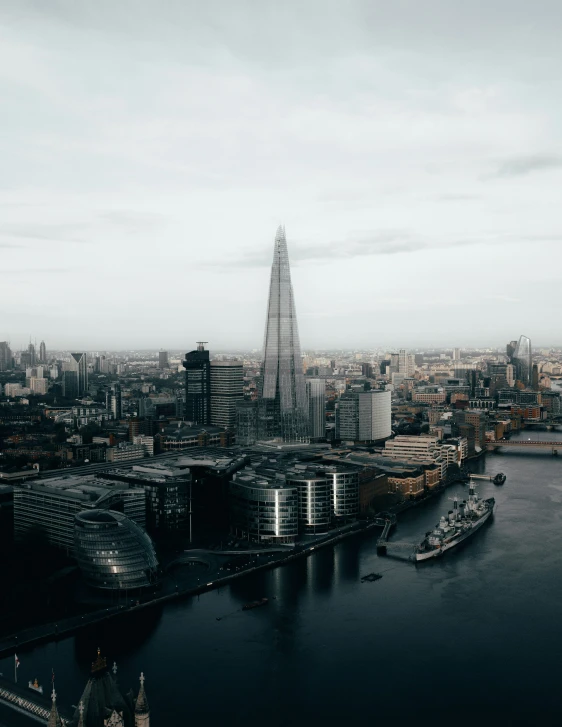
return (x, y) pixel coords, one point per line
(474, 637)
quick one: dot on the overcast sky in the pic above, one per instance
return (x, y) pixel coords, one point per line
(413, 150)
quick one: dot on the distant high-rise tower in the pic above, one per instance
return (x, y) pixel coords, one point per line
(79, 364)
(32, 354)
(42, 352)
(227, 389)
(456, 354)
(282, 411)
(406, 363)
(5, 356)
(522, 359)
(316, 396)
(163, 360)
(198, 385)
(113, 401)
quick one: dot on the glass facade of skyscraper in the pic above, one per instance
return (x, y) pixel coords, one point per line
(283, 410)
(523, 360)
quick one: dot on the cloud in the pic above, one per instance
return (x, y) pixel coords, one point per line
(36, 271)
(41, 231)
(132, 220)
(519, 166)
(370, 244)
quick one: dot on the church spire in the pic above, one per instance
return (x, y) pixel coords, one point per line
(142, 711)
(54, 719)
(81, 710)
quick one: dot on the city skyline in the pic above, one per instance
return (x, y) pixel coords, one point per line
(416, 174)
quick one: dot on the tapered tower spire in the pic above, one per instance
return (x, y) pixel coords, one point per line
(54, 719)
(142, 712)
(282, 411)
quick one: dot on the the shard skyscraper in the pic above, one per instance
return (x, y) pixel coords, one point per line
(282, 406)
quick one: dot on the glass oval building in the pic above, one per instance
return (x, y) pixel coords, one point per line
(113, 552)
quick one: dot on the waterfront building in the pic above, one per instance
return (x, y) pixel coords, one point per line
(167, 492)
(263, 511)
(364, 416)
(163, 360)
(198, 385)
(52, 504)
(79, 365)
(113, 552)
(344, 487)
(523, 360)
(227, 389)
(314, 492)
(316, 398)
(282, 412)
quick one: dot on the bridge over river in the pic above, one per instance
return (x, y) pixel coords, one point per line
(525, 444)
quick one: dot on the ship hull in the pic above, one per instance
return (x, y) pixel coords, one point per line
(427, 555)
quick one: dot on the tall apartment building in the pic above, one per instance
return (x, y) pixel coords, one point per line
(406, 363)
(456, 354)
(364, 416)
(113, 402)
(316, 398)
(198, 385)
(227, 389)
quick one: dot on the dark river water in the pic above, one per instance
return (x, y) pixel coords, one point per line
(472, 638)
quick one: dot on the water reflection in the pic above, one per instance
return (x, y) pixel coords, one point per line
(120, 637)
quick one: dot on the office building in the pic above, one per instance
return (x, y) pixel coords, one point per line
(316, 399)
(282, 411)
(70, 384)
(522, 360)
(79, 365)
(42, 352)
(246, 422)
(263, 511)
(456, 354)
(113, 552)
(52, 505)
(198, 385)
(314, 494)
(344, 488)
(227, 389)
(6, 361)
(163, 360)
(126, 451)
(364, 416)
(167, 492)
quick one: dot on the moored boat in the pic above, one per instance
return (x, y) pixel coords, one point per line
(255, 604)
(459, 524)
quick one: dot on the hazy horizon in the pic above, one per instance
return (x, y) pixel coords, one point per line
(150, 150)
